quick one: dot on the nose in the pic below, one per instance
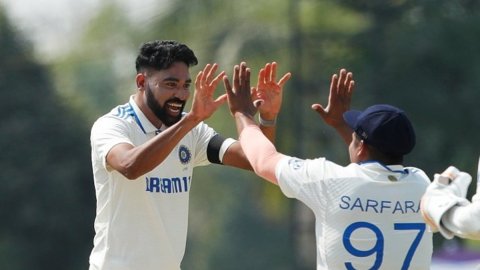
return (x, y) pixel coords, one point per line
(182, 93)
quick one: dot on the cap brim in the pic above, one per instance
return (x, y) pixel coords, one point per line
(351, 118)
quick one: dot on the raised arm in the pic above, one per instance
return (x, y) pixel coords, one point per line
(259, 150)
(268, 94)
(339, 99)
(134, 161)
(268, 97)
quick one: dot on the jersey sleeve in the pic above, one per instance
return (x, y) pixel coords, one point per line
(203, 134)
(107, 132)
(301, 179)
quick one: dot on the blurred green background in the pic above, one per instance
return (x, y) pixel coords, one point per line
(422, 56)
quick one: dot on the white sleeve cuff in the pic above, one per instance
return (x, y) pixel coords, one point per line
(225, 145)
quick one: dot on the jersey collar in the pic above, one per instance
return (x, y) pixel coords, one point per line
(145, 125)
(381, 172)
(376, 165)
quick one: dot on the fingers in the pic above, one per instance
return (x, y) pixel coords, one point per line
(342, 85)
(284, 79)
(258, 102)
(236, 76)
(221, 99)
(241, 76)
(198, 80)
(267, 74)
(217, 79)
(351, 88)
(316, 107)
(341, 80)
(344, 81)
(267, 78)
(261, 76)
(334, 82)
(347, 83)
(205, 79)
(255, 93)
(241, 80)
(333, 85)
(228, 86)
(209, 70)
(273, 72)
(244, 76)
(319, 109)
(205, 74)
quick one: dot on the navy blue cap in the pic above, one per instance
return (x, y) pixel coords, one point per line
(383, 126)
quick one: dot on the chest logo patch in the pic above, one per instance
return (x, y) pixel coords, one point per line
(184, 154)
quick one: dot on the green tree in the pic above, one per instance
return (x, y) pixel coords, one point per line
(418, 55)
(47, 194)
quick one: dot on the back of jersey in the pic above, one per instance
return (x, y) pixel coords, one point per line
(370, 219)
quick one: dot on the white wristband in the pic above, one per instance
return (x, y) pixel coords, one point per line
(267, 123)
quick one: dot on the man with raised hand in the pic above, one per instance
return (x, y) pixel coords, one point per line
(144, 152)
(366, 213)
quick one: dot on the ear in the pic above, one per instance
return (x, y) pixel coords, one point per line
(140, 80)
(363, 153)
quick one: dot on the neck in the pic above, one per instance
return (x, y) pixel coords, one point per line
(147, 111)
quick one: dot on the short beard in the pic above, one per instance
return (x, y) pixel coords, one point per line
(160, 111)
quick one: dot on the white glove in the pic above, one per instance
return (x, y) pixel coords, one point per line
(446, 190)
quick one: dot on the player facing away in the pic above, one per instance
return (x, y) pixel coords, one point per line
(366, 213)
(446, 209)
(144, 152)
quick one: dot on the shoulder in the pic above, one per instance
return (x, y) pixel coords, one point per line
(119, 118)
(202, 129)
(419, 173)
(308, 168)
(119, 113)
(418, 176)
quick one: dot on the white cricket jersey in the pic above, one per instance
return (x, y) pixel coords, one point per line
(142, 224)
(367, 215)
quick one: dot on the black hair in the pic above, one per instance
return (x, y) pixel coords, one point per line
(385, 158)
(161, 54)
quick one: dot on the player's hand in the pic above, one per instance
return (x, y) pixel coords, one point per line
(204, 104)
(239, 95)
(339, 99)
(452, 180)
(268, 92)
(440, 196)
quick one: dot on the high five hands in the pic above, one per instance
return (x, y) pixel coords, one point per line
(204, 104)
(266, 96)
(268, 92)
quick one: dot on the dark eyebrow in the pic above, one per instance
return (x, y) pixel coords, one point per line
(169, 79)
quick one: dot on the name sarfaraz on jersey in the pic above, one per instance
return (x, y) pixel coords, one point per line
(378, 206)
(168, 185)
